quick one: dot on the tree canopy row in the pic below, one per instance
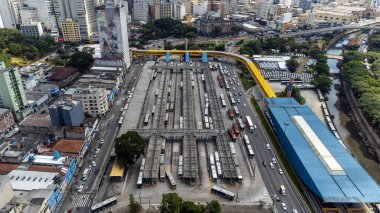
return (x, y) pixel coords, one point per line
(364, 82)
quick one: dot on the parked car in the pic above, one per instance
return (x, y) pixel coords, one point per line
(80, 188)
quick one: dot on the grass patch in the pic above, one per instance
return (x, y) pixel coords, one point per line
(246, 81)
(246, 78)
(19, 61)
(281, 154)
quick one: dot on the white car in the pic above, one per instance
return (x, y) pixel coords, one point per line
(294, 211)
(271, 165)
(80, 188)
(244, 105)
(93, 163)
(97, 151)
(283, 205)
(274, 160)
(238, 100)
(268, 146)
(280, 171)
(102, 141)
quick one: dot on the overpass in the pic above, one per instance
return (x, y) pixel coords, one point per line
(337, 57)
(328, 29)
(263, 85)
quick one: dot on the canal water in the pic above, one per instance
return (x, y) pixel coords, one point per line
(342, 121)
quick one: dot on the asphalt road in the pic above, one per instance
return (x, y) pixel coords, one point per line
(108, 130)
(111, 128)
(259, 140)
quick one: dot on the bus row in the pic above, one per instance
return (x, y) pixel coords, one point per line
(140, 176)
(232, 99)
(208, 122)
(215, 166)
(162, 167)
(223, 100)
(180, 166)
(223, 192)
(248, 146)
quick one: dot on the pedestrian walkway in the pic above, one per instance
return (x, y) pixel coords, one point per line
(80, 200)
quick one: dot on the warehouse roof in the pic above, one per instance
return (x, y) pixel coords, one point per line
(320, 161)
(28, 180)
(37, 120)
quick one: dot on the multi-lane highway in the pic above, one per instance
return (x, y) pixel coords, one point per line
(259, 140)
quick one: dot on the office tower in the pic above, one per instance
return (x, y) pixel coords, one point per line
(113, 31)
(263, 9)
(45, 12)
(80, 11)
(140, 10)
(305, 4)
(11, 90)
(66, 113)
(7, 14)
(70, 30)
(32, 29)
(179, 11)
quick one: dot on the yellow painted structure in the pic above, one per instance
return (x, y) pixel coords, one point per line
(117, 169)
(264, 86)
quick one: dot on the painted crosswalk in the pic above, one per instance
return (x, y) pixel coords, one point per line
(80, 200)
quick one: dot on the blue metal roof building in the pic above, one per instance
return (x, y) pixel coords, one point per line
(319, 160)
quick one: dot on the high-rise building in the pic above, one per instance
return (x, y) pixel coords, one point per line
(66, 113)
(94, 100)
(305, 4)
(179, 11)
(263, 9)
(140, 10)
(70, 30)
(163, 10)
(45, 12)
(32, 29)
(8, 16)
(7, 122)
(113, 31)
(81, 11)
(11, 90)
(28, 14)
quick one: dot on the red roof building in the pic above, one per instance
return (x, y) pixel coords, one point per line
(68, 146)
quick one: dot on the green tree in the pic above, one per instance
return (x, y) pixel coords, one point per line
(216, 31)
(134, 206)
(81, 60)
(292, 64)
(220, 47)
(351, 47)
(168, 45)
(321, 68)
(236, 29)
(171, 203)
(89, 50)
(129, 147)
(191, 35)
(323, 83)
(214, 206)
(15, 48)
(190, 207)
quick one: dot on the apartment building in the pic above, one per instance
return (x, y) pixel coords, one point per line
(94, 100)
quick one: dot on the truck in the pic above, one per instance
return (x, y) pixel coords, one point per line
(282, 189)
(249, 123)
